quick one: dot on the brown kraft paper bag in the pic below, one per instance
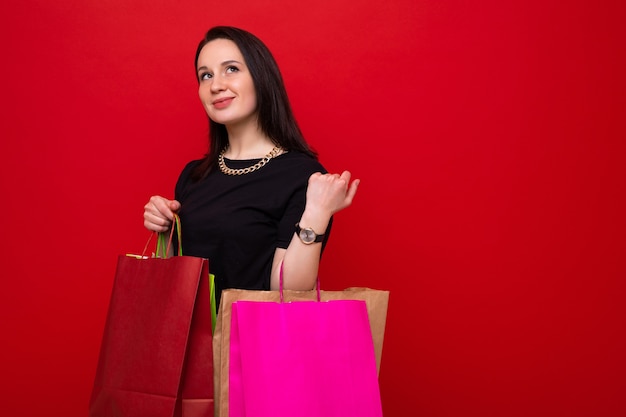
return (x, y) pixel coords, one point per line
(376, 301)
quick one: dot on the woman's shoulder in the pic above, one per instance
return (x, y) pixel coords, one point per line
(185, 174)
(300, 162)
(189, 166)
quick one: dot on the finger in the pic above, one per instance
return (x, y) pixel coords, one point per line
(162, 207)
(345, 175)
(157, 220)
(347, 201)
(174, 205)
(315, 176)
(154, 227)
(352, 190)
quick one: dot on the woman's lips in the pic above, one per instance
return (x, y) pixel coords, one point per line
(222, 102)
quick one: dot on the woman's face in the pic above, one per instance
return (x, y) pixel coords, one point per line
(226, 87)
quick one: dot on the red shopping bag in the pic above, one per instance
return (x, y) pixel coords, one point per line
(304, 358)
(156, 352)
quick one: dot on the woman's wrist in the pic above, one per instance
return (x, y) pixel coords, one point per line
(316, 220)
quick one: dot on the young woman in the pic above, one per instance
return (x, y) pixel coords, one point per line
(259, 200)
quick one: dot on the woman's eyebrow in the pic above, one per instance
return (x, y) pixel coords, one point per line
(223, 64)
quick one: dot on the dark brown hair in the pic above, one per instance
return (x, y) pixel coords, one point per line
(275, 116)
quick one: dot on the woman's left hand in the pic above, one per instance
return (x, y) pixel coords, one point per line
(329, 193)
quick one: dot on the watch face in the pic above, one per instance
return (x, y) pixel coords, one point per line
(307, 235)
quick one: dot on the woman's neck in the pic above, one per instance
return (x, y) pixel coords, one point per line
(247, 142)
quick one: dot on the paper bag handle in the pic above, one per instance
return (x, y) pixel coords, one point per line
(161, 239)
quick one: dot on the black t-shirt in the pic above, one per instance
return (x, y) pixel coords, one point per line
(238, 221)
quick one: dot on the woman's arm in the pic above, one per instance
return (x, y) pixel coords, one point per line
(326, 195)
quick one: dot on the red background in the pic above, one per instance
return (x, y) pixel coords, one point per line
(489, 137)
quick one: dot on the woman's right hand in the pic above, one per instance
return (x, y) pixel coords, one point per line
(159, 213)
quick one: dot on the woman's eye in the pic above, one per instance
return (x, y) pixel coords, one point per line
(231, 69)
(205, 76)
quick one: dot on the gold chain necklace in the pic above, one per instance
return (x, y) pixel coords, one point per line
(230, 171)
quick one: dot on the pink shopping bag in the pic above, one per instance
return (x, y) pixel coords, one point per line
(306, 358)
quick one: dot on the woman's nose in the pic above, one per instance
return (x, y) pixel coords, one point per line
(217, 84)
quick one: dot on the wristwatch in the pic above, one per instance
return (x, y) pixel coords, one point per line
(308, 235)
